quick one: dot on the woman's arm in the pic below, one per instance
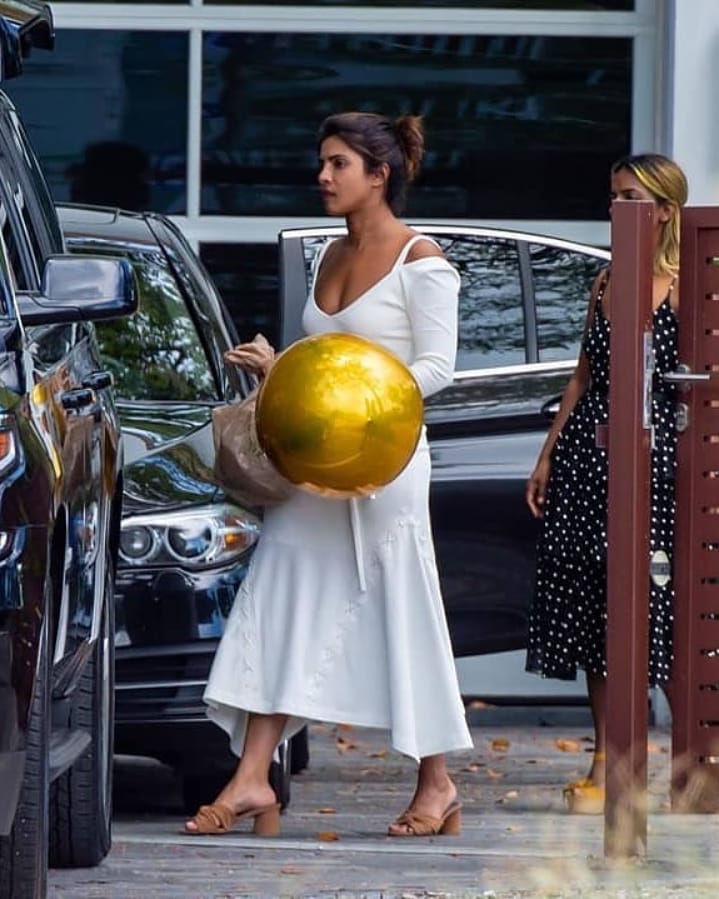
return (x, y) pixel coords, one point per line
(573, 392)
(432, 289)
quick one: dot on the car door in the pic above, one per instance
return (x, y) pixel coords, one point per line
(67, 394)
(521, 311)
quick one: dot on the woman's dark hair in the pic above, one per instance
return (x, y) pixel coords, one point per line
(399, 143)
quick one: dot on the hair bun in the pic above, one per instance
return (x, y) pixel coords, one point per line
(411, 137)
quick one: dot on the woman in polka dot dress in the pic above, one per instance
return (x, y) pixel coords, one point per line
(568, 487)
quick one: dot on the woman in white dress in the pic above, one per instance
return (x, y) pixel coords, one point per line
(340, 618)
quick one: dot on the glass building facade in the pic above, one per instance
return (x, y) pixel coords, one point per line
(209, 112)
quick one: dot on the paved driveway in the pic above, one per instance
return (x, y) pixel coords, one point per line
(516, 838)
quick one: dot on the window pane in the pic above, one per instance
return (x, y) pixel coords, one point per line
(491, 320)
(156, 354)
(562, 281)
(517, 126)
(91, 110)
(247, 278)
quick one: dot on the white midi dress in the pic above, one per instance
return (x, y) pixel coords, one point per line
(340, 617)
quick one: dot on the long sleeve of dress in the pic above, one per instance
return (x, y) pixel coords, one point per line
(431, 287)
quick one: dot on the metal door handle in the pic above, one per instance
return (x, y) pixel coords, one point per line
(685, 376)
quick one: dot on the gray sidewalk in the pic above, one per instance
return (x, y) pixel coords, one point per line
(516, 840)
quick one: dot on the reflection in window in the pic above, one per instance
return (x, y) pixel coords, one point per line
(246, 276)
(91, 110)
(491, 320)
(562, 281)
(508, 118)
(156, 354)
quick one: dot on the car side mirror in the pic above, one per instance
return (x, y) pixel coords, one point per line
(81, 288)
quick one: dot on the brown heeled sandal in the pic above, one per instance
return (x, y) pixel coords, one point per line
(449, 824)
(219, 818)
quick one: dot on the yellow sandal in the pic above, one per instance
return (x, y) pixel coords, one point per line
(585, 797)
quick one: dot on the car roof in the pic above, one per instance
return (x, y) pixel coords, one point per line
(106, 223)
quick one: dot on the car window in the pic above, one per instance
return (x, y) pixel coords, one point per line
(491, 318)
(562, 281)
(156, 354)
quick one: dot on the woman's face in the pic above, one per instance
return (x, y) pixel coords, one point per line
(344, 183)
(626, 186)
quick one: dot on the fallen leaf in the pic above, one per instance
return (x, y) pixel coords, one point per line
(494, 775)
(473, 766)
(328, 810)
(380, 754)
(513, 828)
(569, 745)
(327, 836)
(500, 744)
(343, 745)
(292, 869)
(654, 748)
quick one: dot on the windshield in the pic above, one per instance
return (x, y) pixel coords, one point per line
(155, 354)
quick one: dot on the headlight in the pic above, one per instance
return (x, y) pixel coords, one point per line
(196, 538)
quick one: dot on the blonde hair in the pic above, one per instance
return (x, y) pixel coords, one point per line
(667, 184)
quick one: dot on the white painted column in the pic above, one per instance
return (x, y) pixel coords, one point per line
(692, 93)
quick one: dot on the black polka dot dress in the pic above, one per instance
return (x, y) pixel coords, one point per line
(567, 626)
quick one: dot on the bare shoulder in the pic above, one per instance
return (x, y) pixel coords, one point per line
(423, 249)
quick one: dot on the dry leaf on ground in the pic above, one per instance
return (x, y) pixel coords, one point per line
(500, 744)
(343, 745)
(494, 775)
(327, 836)
(564, 745)
(327, 810)
(292, 869)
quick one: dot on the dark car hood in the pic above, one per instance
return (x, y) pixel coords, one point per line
(168, 453)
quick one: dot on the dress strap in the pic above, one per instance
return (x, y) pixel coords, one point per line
(410, 243)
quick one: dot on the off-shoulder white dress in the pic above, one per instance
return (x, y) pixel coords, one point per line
(340, 617)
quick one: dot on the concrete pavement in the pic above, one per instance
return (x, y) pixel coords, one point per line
(516, 841)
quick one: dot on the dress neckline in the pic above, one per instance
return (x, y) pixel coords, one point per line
(397, 262)
(664, 302)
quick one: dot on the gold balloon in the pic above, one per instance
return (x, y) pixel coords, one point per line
(339, 415)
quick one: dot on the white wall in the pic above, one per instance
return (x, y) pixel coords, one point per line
(692, 95)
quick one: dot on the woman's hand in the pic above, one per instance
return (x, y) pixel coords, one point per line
(256, 356)
(537, 486)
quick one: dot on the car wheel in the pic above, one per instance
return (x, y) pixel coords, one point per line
(81, 798)
(300, 751)
(23, 853)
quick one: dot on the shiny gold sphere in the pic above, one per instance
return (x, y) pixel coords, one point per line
(339, 415)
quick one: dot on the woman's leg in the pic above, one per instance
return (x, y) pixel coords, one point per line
(249, 787)
(597, 688)
(434, 794)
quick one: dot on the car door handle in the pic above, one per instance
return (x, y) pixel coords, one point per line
(72, 400)
(98, 380)
(551, 407)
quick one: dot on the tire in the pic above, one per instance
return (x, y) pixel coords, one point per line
(81, 797)
(300, 751)
(23, 853)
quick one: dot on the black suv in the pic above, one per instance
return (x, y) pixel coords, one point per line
(60, 510)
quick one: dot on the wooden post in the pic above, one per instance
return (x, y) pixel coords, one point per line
(625, 815)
